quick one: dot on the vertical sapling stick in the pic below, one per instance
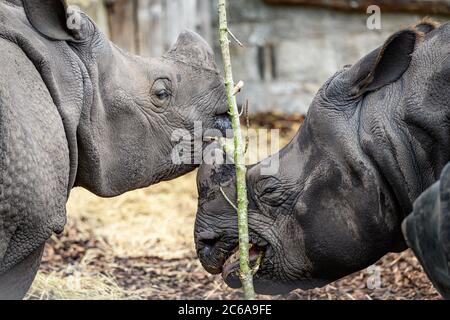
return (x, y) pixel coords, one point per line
(246, 274)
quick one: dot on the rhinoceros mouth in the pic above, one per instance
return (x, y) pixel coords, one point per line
(231, 266)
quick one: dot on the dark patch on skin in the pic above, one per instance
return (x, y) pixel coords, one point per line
(223, 174)
(205, 193)
(203, 190)
(179, 78)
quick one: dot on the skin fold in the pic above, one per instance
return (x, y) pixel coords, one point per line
(75, 110)
(375, 138)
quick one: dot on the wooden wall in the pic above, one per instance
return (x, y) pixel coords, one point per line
(149, 27)
(411, 6)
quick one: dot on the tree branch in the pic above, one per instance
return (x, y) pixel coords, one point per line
(246, 275)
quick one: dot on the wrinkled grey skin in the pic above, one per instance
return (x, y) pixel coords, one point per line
(75, 110)
(376, 136)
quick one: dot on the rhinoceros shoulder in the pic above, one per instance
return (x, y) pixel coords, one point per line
(34, 159)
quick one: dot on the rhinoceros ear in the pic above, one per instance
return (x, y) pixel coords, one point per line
(49, 17)
(386, 64)
(426, 25)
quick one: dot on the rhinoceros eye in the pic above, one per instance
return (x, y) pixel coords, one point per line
(161, 92)
(274, 193)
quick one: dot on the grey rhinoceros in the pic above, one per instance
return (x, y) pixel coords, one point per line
(377, 135)
(75, 110)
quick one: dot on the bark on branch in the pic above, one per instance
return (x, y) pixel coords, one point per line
(239, 158)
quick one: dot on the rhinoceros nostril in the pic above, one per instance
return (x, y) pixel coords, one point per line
(207, 240)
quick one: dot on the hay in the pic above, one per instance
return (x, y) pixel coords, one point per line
(76, 286)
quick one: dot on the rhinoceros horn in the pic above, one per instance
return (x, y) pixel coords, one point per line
(191, 49)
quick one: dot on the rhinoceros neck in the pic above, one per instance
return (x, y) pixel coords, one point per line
(407, 149)
(427, 136)
(69, 93)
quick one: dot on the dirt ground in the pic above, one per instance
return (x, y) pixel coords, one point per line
(140, 246)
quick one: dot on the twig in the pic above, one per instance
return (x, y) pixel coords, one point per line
(235, 38)
(239, 159)
(244, 107)
(244, 112)
(350, 296)
(258, 263)
(247, 126)
(238, 87)
(228, 199)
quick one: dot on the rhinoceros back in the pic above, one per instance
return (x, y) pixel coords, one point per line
(34, 159)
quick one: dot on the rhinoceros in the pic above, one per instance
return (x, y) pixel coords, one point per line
(376, 136)
(76, 110)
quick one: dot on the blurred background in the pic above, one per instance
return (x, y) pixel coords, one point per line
(291, 47)
(140, 245)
